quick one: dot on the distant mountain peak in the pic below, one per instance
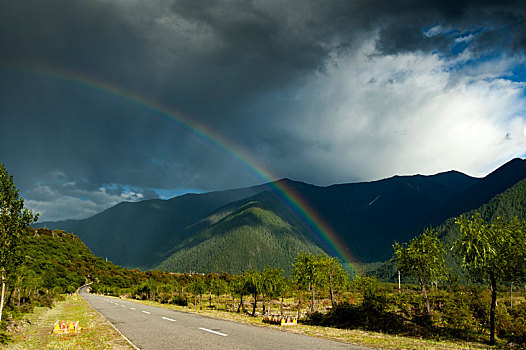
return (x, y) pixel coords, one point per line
(484, 189)
(514, 165)
(288, 181)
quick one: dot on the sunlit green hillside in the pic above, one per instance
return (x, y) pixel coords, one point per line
(250, 237)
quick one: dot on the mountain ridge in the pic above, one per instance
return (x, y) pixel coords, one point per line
(368, 216)
(508, 204)
(147, 219)
(484, 190)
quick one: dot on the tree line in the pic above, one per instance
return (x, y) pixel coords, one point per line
(314, 276)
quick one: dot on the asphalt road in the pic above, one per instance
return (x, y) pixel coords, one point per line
(149, 327)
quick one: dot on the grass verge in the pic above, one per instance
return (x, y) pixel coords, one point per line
(351, 336)
(96, 333)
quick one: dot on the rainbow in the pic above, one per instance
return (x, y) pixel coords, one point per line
(322, 230)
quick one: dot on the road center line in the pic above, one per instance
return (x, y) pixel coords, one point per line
(146, 312)
(211, 331)
(123, 306)
(167, 319)
(132, 308)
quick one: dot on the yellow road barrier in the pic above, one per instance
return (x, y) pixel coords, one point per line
(279, 320)
(61, 327)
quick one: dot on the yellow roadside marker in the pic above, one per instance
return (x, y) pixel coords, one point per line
(61, 327)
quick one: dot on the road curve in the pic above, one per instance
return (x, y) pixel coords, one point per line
(149, 327)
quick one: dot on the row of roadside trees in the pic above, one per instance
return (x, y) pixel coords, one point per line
(313, 277)
(493, 253)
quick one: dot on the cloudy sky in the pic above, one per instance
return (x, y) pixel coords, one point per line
(318, 91)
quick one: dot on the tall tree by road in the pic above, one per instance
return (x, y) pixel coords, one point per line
(198, 287)
(493, 252)
(307, 273)
(333, 275)
(218, 286)
(422, 257)
(14, 218)
(272, 285)
(253, 285)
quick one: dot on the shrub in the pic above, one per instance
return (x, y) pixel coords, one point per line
(4, 336)
(343, 315)
(374, 301)
(453, 310)
(479, 305)
(505, 325)
(516, 330)
(179, 300)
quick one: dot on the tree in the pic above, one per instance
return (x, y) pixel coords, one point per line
(236, 286)
(333, 274)
(307, 273)
(252, 285)
(423, 257)
(198, 287)
(284, 288)
(14, 218)
(494, 252)
(272, 284)
(218, 286)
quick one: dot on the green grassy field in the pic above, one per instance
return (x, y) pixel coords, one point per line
(35, 331)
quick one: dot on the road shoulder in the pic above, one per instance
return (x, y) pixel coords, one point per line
(95, 333)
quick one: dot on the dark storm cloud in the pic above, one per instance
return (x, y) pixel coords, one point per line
(403, 24)
(255, 47)
(187, 50)
(89, 36)
(250, 31)
(236, 67)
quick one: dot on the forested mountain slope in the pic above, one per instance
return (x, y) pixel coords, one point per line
(249, 237)
(508, 204)
(124, 232)
(354, 207)
(368, 216)
(482, 191)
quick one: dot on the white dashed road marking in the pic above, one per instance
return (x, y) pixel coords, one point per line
(211, 331)
(167, 319)
(146, 312)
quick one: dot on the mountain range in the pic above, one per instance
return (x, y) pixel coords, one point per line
(234, 230)
(507, 204)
